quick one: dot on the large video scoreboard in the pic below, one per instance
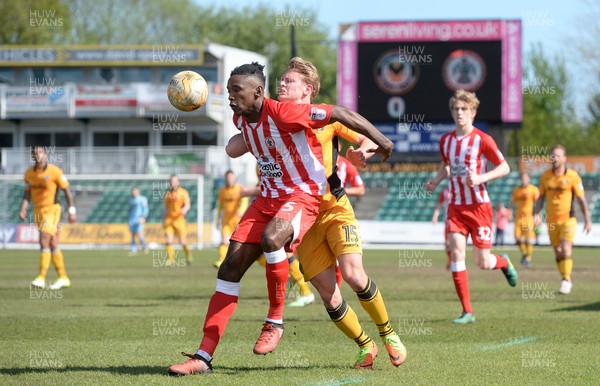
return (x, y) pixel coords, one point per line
(400, 75)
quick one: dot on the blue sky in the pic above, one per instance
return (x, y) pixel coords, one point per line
(548, 22)
(545, 21)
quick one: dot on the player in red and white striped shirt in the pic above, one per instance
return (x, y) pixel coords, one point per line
(293, 179)
(465, 153)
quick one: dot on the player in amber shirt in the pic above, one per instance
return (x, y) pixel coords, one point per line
(177, 204)
(281, 137)
(559, 186)
(522, 201)
(232, 202)
(42, 182)
(335, 235)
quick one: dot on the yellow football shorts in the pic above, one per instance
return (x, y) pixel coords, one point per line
(176, 226)
(562, 230)
(47, 218)
(334, 233)
(524, 229)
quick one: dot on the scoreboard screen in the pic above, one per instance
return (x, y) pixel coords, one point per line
(402, 74)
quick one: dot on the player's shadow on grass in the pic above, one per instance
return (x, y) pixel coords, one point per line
(230, 370)
(585, 307)
(153, 370)
(125, 370)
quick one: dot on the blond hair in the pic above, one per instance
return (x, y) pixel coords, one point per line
(468, 97)
(308, 72)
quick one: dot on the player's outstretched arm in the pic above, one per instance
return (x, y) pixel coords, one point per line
(360, 155)
(361, 125)
(24, 204)
(587, 226)
(236, 147)
(441, 175)
(70, 205)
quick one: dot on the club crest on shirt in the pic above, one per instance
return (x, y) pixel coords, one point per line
(469, 150)
(270, 142)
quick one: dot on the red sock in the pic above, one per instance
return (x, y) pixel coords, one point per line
(461, 283)
(501, 262)
(277, 276)
(220, 309)
(338, 276)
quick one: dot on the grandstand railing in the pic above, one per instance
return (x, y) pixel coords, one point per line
(207, 160)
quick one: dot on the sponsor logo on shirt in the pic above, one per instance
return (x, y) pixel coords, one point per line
(317, 114)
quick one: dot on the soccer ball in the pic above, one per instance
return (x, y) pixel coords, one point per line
(187, 91)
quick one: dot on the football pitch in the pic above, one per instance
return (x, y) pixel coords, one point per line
(126, 319)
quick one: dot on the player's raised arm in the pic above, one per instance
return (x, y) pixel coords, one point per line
(361, 125)
(236, 147)
(360, 155)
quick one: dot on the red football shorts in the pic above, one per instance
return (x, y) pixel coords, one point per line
(300, 209)
(474, 220)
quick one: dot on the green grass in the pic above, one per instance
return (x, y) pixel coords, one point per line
(124, 321)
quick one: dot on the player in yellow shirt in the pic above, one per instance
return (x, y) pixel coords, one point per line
(177, 204)
(335, 235)
(522, 201)
(559, 186)
(232, 202)
(42, 182)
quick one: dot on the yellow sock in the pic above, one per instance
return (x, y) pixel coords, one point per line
(344, 317)
(262, 260)
(171, 253)
(222, 252)
(522, 248)
(59, 263)
(529, 251)
(561, 267)
(299, 278)
(44, 263)
(188, 252)
(568, 267)
(372, 302)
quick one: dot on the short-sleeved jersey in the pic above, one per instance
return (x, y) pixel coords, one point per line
(138, 207)
(560, 192)
(175, 200)
(289, 155)
(230, 200)
(348, 173)
(524, 197)
(470, 152)
(43, 184)
(327, 136)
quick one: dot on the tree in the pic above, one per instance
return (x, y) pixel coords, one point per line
(34, 21)
(264, 30)
(548, 113)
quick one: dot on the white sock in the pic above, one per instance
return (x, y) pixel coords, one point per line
(458, 266)
(276, 256)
